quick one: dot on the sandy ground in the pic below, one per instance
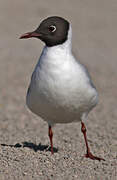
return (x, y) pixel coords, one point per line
(24, 153)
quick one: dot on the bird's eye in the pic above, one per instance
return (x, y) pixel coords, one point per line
(52, 28)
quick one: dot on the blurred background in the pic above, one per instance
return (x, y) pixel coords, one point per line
(94, 25)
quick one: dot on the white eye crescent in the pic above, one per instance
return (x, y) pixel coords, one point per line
(52, 28)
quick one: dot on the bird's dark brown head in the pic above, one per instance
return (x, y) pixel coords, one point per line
(53, 31)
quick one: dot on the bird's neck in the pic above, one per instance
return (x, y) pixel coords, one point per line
(59, 49)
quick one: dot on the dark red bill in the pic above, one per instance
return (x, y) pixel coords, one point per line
(29, 35)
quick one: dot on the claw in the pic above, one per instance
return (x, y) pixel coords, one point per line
(91, 156)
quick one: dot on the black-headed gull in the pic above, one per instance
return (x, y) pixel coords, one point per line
(61, 90)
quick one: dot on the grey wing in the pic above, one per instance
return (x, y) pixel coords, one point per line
(88, 75)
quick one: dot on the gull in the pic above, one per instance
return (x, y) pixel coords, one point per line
(61, 89)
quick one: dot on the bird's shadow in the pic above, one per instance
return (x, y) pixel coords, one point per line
(32, 146)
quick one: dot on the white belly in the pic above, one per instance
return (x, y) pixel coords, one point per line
(59, 96)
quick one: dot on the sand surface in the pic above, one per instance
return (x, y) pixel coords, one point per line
(24, 153)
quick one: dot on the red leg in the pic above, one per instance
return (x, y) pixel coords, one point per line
(88, 154)
(50, 133)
